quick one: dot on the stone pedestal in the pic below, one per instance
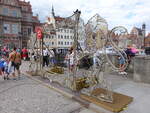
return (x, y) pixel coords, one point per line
(142, 69)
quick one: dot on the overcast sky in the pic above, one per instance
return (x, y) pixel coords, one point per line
(127, 13)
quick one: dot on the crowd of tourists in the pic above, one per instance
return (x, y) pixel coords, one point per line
(11, 60)
(10, 63)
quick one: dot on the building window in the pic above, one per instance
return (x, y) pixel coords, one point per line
(62, 36)
(58, 36)
(67, 43)
(52, 43)
(15, 29)
(61, 43)
(24, 8)
(29, 31)
(14, 13)
(5, 11)
(65, 30)
(67, 37)
(52, 36)
(6, 28)
(70, 43)
(25, 33)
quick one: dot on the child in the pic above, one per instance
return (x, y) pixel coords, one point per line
(121, 65)
(4, 68)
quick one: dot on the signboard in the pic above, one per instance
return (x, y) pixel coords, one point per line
(39, 33)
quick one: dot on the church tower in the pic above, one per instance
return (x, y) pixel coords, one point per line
(144, 29)
(144, 34)
(53, 13)
(51, 19)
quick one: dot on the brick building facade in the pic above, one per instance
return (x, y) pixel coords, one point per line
(16, 22)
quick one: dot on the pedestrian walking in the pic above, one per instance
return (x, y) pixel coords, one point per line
(45, 57)
(15, 62)
(4, 68)
(24, 53)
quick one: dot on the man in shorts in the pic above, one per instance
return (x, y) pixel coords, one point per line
(15, 60)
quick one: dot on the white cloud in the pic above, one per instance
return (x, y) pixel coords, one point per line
(128, 13)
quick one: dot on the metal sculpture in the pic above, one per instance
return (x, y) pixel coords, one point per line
(36, 46)
(97, 38)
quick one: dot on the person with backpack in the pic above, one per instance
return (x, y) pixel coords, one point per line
(15, 62)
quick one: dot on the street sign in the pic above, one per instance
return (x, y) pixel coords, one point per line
(39, 33)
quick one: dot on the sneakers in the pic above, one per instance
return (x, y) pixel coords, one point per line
(123, 73)
(4, 78)
(8, 78)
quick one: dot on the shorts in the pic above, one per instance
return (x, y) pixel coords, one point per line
(3, 69)
(16, 66)
(121, 61)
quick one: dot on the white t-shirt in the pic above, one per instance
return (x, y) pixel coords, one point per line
(45, 53)
(71, 58)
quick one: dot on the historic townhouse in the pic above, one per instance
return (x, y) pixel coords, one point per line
(62, 33)
(16, 22)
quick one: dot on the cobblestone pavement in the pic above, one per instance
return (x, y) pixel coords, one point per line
(28, 96)
(33, 97)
